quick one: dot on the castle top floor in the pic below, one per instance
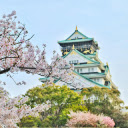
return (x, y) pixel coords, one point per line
(81, 42)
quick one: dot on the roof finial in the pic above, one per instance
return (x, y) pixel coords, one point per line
(76, 28)
(73, 47)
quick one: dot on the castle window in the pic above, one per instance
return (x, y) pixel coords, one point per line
(92, 69)
(73, 61)
(81, 70)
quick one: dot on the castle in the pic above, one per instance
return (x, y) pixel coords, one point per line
(81, 51)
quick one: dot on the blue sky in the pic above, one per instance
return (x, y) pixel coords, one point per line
(52, 20)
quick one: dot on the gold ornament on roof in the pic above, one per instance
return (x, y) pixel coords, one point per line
(86, 51)
(73, 47)
(89, 62)
(73, 52)
(76, 28)
(92, 51)
(65, 52)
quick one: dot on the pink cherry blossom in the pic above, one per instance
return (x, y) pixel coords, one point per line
(83, 119)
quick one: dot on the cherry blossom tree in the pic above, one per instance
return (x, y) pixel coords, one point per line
(18, 54)
(82, 119)
(12, 110)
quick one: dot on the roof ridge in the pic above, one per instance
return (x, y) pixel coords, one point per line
(71, 35)
(82, 34)
(75, 40)
(79, 33)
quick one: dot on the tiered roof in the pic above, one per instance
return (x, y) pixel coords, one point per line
(76, 36)
(92, 60)
(92, 63)
(75, 50)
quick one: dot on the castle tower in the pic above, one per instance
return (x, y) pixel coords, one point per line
(81, 42)
(81, 51)
(89, 71)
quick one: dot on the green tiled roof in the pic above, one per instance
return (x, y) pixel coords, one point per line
(106, 69)
(91, 55)
(72, 41)
(91, 80)
(41, 79)
(44, 79)
(86, 79)
(85, 38)
(94, 75)
(79, 33)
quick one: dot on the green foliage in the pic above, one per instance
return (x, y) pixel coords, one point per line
(120, 118)
(126, 107)
(76, 108)
(60, 98)
(102, 100)
(30, 121)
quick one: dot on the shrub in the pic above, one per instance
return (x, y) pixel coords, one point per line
(81, 119)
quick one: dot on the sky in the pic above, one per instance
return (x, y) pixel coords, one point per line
(53, 20)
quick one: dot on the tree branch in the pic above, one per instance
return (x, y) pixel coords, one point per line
(4, 71)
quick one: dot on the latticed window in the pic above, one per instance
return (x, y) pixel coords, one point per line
(73, 61)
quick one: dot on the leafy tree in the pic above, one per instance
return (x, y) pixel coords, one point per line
(30, 121)
(120, 118)
(61, 100)
(102, 100)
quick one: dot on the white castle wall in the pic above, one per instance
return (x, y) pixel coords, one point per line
(89, 69)
(82, 83)
(99, 80)
(76, 57)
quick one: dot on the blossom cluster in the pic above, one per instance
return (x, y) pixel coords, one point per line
(81, 119)
(12, 110)
(18, 54)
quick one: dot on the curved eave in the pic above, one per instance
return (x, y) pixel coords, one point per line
(75, 32)
(44, 79)
(73, 41)
(94, 75)
(112, 84)
(101, 63)
(91, 80)
(91, 55)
